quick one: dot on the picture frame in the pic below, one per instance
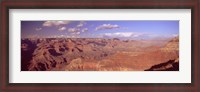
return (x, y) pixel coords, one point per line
(99, 4)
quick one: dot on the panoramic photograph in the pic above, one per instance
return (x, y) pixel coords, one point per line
(100, 45)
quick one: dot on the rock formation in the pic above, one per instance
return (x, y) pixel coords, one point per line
(171, 65)
(78, 54)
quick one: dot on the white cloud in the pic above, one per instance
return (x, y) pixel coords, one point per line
(38, 29)
(57, 36)
(61, 36)
(55, 23)
(81, 24)
(72, 36)
(174, 35)
(73, 30)
(123, 34)
(106, 26)
(47, 23)
(84, 30)
(62, 29)
(78, 33)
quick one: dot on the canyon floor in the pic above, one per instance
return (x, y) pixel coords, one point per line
(96, 54)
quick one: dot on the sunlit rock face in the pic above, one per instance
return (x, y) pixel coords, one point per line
(172, 45)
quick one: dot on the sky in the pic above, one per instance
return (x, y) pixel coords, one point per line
(100, 29)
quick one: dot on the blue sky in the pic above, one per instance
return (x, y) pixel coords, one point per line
(100, 29)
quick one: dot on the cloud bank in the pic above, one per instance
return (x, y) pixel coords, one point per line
(38, 29)
(73, 30)
(106, 26)
(55, 23)
(81, 24)
(61, 29)
(123, 34)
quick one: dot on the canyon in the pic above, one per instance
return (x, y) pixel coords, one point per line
(98, 54)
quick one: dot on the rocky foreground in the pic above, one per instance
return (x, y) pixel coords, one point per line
(95, 54)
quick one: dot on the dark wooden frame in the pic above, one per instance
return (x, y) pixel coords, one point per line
(99, 4)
